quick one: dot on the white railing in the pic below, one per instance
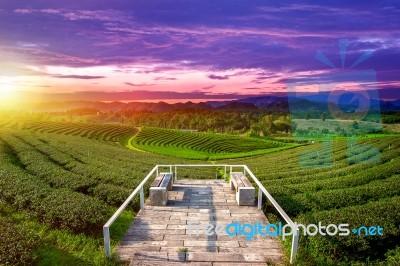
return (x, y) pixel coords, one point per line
(106, 227)
(261, 190)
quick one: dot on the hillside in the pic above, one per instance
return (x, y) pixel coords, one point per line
(57, 190)
(203, 146)
(362, 188)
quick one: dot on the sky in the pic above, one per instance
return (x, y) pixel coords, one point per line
(175, 50)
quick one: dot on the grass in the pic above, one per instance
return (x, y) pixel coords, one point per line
(202, 146)
(62, 247)
(183, 250)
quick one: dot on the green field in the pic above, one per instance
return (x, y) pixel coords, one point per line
(62, 189)
(333, 127)
(202, 146)
(58, 187)
(352, 191)
(106, 132)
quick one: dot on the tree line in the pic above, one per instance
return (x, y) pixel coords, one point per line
(254, 123)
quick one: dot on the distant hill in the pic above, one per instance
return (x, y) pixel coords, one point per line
(302, 102)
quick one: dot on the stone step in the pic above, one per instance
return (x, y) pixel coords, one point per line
(163, 256)
(224, 257)
(158, 232)
(169, 263)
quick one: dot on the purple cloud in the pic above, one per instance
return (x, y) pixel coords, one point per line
(77, 77)
(164, 78)
(251, 88)
(138, 85)
(216, 35)
(212, 76)
(134, 95)
(208, 87)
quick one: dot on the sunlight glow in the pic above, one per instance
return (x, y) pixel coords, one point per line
(7, 86)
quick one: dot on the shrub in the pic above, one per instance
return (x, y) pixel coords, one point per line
(111, 194)
(17, 244)
(58, 207)
(65, 209)
(385, 213)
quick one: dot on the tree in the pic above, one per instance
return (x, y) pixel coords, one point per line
(323, 116)
(282, 124)
(293, 127)
(355, 125)
(267, 124)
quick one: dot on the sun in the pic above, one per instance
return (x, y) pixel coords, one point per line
(7, 86)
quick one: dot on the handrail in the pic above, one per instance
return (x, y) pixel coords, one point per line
(295, 240)
(261, 190)
(269, 196)
(106, 227)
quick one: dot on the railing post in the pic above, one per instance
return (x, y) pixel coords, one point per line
(141, 198)
(225, 172)
(244, 170)
(260, 194)
(176, 175)
(157, 171)
(107, 247)
(106, 227)
(295, 242)
(170, 168)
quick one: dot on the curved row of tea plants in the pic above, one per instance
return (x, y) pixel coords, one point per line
(352, 187)
(196, 145)
(60, 208)
(108, 132)
(69, 186)
(360, 186)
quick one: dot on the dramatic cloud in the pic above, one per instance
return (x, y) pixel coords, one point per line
(77, 77)
(164, 78)
(137, 95)
(207, 87)
(138, 85)
(212, 76)
(251, 88)
(181, 45)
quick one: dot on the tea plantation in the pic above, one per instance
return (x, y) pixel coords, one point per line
(62, 189)
(361, 188)
(203, 146)
(58, 187)
(109, 132)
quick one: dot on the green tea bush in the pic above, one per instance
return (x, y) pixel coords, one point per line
(106, 132)
(339, 198)
(385, 213)
(17, 244)
(58, 207)
(196, 145)
(71, 210)
(113, 195)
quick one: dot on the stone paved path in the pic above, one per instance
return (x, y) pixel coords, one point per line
(157, 233)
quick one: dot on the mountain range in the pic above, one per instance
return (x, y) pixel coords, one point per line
(302, 102)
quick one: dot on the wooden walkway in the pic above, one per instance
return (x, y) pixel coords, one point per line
(157, 233)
